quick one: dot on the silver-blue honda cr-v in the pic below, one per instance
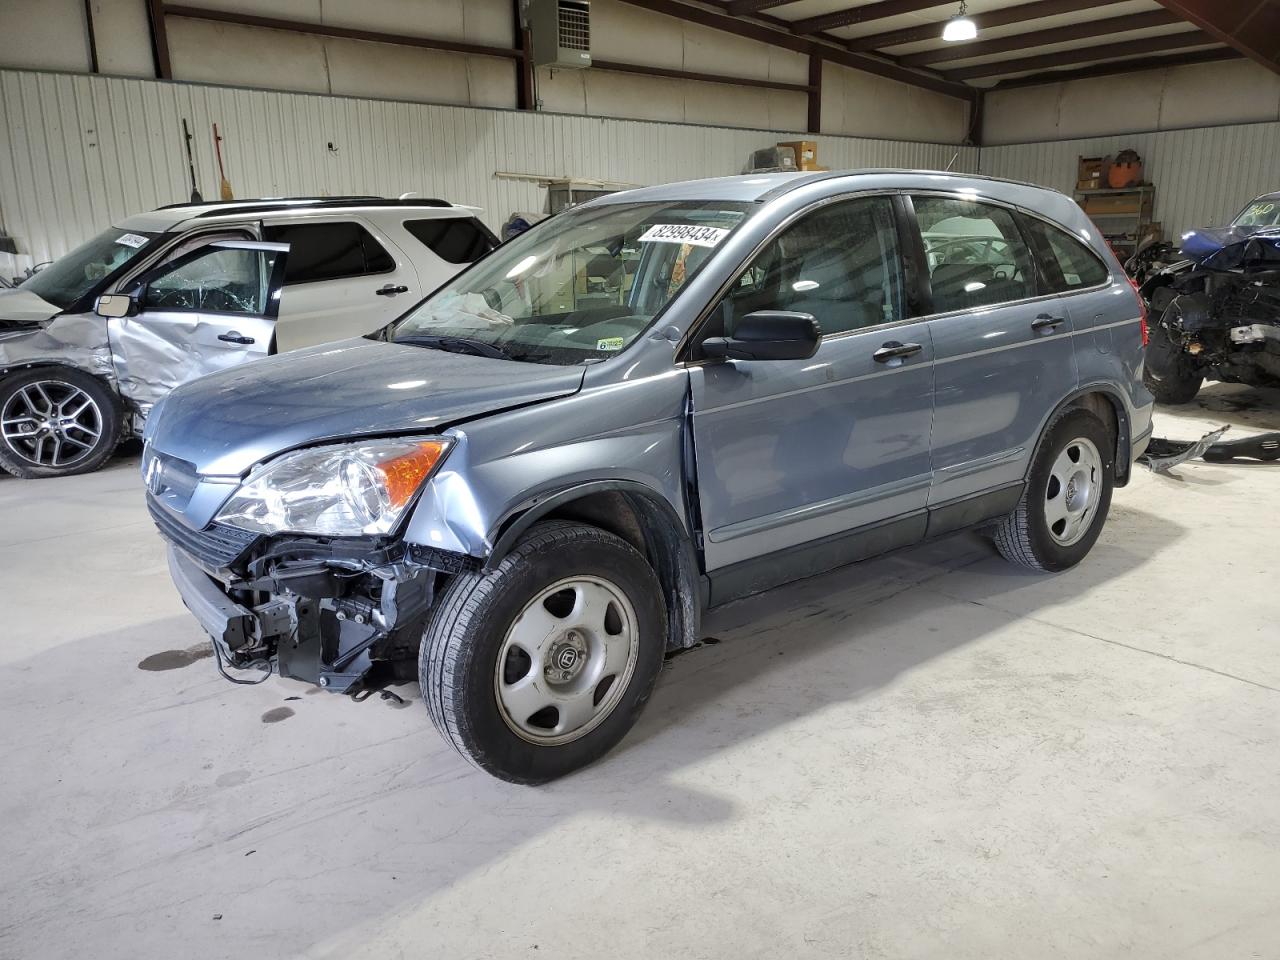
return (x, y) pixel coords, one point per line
(535, 482)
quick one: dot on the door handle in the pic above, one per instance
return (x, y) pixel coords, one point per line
(234, 337)
(895, 350)
(390, 290)
(1046, 322)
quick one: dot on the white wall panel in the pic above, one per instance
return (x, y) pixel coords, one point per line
(77, 152)
(1201, 176)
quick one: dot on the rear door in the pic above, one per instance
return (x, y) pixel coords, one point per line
(345, 278)
(442, 246)
(1003, 347)
(204, 310)
(806, 464)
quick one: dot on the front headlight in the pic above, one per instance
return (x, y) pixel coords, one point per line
(341, 491)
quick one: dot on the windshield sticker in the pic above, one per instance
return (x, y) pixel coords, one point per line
(610, 343)
(131, 240)
(684, 233)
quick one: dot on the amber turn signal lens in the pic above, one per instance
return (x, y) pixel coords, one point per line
(403, 475)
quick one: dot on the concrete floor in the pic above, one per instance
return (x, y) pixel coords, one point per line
(931, 755)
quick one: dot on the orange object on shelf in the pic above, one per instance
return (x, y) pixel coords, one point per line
(1125, 170)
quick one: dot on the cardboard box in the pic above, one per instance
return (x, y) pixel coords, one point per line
(1089, 173)
(1114, 203)
(806, 152)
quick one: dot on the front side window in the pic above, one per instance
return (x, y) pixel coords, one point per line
(578, 287)
(72, 276)
(840, 264)
(329, 251)
(1076, 265)
(217, 280)
(453, 239)
(976, 256)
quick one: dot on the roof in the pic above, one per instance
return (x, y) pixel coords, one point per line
(764, 186)
(173, 215)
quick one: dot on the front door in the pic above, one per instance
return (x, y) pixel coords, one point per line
(807, 464)
(345, 279)
(207, 309)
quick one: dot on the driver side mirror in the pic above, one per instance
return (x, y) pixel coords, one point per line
(113, 305)
(769, 335)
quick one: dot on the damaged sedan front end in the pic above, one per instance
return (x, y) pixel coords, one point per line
(1216, 314)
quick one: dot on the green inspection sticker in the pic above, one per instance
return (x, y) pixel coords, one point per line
(610, 343)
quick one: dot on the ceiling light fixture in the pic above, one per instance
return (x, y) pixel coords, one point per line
(959, 27)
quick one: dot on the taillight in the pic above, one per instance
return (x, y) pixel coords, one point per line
(1142, 312)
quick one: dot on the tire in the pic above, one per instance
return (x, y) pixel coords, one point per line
(1170, 375)
(1045, 532)
(488, 695)
(40, 438)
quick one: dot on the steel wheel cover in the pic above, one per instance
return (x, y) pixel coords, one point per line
(1073, 491)
(51, 423)
(566, 660)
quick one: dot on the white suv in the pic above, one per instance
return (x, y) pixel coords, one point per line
(91, 342)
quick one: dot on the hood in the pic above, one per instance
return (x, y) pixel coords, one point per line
(22, 306)
(1222, 248)
(226, 422)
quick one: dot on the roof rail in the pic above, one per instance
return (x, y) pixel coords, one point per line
(296, 201)
(268, 206)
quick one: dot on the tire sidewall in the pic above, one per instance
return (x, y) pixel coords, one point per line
(1170, 375)
(1052, 555)
(485, 735)
(108, 405)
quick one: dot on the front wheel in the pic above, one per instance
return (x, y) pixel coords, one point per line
(1170, 375)
(541, 665)
(56, 421)
(1067, 496)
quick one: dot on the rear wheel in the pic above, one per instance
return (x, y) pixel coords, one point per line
(541, 665)
(56, 421)
(1068, 494)
(1170, 375)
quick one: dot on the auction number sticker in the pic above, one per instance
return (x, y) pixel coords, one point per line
(684, 233)
(609, 344)
(131, 240)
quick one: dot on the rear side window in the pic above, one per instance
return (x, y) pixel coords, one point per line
(976, 255)
(455, 239)
(328, 251)
(1072, 266)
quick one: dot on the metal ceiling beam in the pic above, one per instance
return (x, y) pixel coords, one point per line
(739, 7)
(1063, 58)
(789, 41)
(865, 14)
(1250, 26)
(1120, 66)
(996, 18)
(341, 33)
(1040, 38)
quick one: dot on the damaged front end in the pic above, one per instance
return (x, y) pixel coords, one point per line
(329, 612)
(1222, 308)
(303, 566)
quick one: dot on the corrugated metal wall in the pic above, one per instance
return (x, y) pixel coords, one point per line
(1202, 176)
(77, 152)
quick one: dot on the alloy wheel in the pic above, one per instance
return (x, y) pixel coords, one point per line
(51, 423)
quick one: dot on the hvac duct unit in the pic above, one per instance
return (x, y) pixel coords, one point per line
(561, 32)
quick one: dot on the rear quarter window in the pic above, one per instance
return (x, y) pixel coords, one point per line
(453, 239)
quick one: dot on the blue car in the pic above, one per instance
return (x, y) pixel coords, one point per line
(1216, 312)
(531, 486)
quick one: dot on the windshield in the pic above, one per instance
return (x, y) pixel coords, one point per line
(1263, 212)
(70, 277)
(578, 287)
